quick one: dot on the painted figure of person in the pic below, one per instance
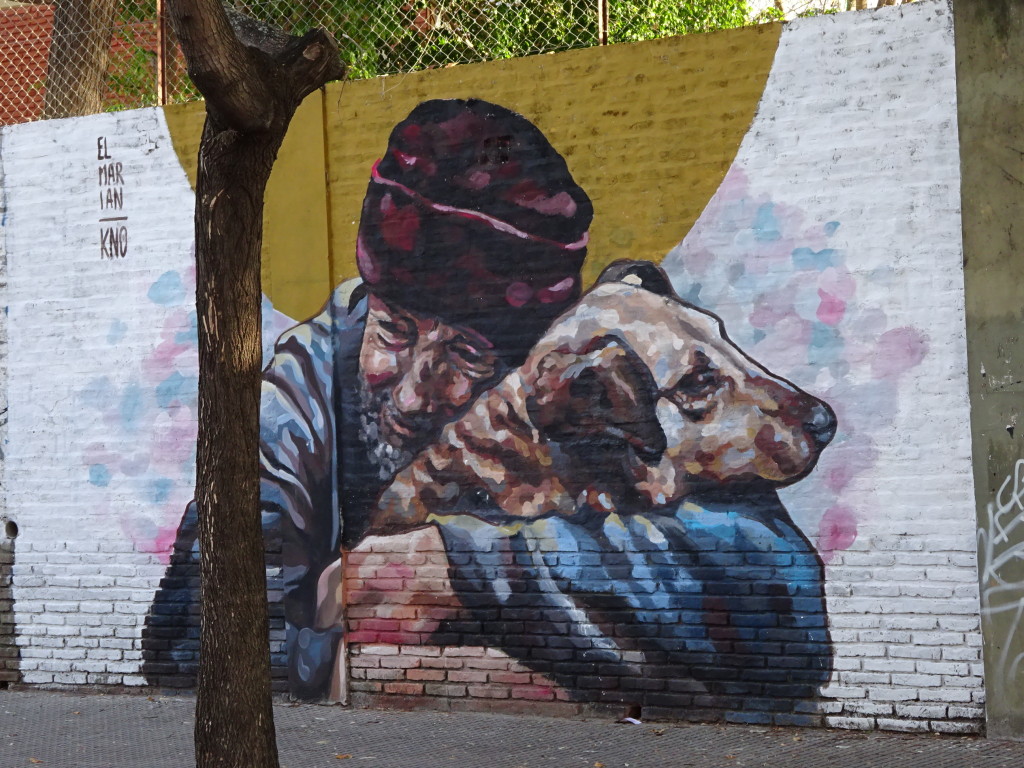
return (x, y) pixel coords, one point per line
(471, 240)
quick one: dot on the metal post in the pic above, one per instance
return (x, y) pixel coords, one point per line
(161, 53)
(602, 22)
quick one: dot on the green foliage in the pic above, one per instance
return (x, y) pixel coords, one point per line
(131, 78)
(769, 14)
(390, 36)
(131, 74)
(402, 35)
(634, 20)
(818, 12)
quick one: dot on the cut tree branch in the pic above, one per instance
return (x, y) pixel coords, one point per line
(249, 71)
(220, 65)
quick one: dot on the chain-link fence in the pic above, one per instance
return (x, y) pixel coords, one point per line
(68, 57)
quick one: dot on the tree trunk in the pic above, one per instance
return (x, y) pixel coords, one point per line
(76, 71)
(253, 79)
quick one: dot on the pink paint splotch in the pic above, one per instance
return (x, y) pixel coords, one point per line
(837, 530)
(897, 352)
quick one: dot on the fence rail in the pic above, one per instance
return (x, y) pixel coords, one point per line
(68, 57)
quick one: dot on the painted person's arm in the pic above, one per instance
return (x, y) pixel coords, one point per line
(298, 496)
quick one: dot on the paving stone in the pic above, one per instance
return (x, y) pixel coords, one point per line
(82, 730)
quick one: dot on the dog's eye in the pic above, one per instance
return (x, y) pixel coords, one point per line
(701, 379)
(694, 393)
(697, 383)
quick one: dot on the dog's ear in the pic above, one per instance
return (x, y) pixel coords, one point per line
(602, 394)
(644, 274)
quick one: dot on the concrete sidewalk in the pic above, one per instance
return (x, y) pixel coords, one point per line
(61, 730)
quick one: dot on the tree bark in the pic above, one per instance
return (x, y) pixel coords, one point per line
(76, 70)
(253, 79)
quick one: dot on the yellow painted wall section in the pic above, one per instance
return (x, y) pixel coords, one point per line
(648, 130)
(295, 267)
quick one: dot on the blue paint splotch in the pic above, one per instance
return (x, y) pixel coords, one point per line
(99, 475)
(168, 290)
(117, 332)
(98, 393)
(160, 489)
(132, 407)
(806, 258)
(766, 226)
(190, 335)
(176, 390)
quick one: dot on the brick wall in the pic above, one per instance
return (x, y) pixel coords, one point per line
(8, 646)
(894, 490)
(99, 446)
(831, 252)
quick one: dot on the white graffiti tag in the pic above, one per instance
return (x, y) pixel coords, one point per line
(1001, 552)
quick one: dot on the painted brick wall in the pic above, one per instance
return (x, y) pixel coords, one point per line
(104, 407)
(895, 499)
(830, 251)
(8, 647)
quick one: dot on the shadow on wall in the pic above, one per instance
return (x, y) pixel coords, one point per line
(9, 654)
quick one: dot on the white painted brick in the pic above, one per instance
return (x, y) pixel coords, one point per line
(950, 574)
(866, 678)
(888, 637)
(31, 677)
(966, 713)
(909, 726)
(921, 711)
(915, 652)
(961, 654)
(867, 707)
(962, 682)
(893, 694)
(960, 696)
(956, 727)
(957, 669)
(841, 620)
(843, 692)
(865, 650)
(917, 681)
(111, 654)
(846, 663)
(81, 642)
(938, 638)
(851, 723)
(28, 653)
(889, 665)
(103, 678)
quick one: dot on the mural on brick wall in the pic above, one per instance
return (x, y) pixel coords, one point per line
(602, 470)
(594, 378)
